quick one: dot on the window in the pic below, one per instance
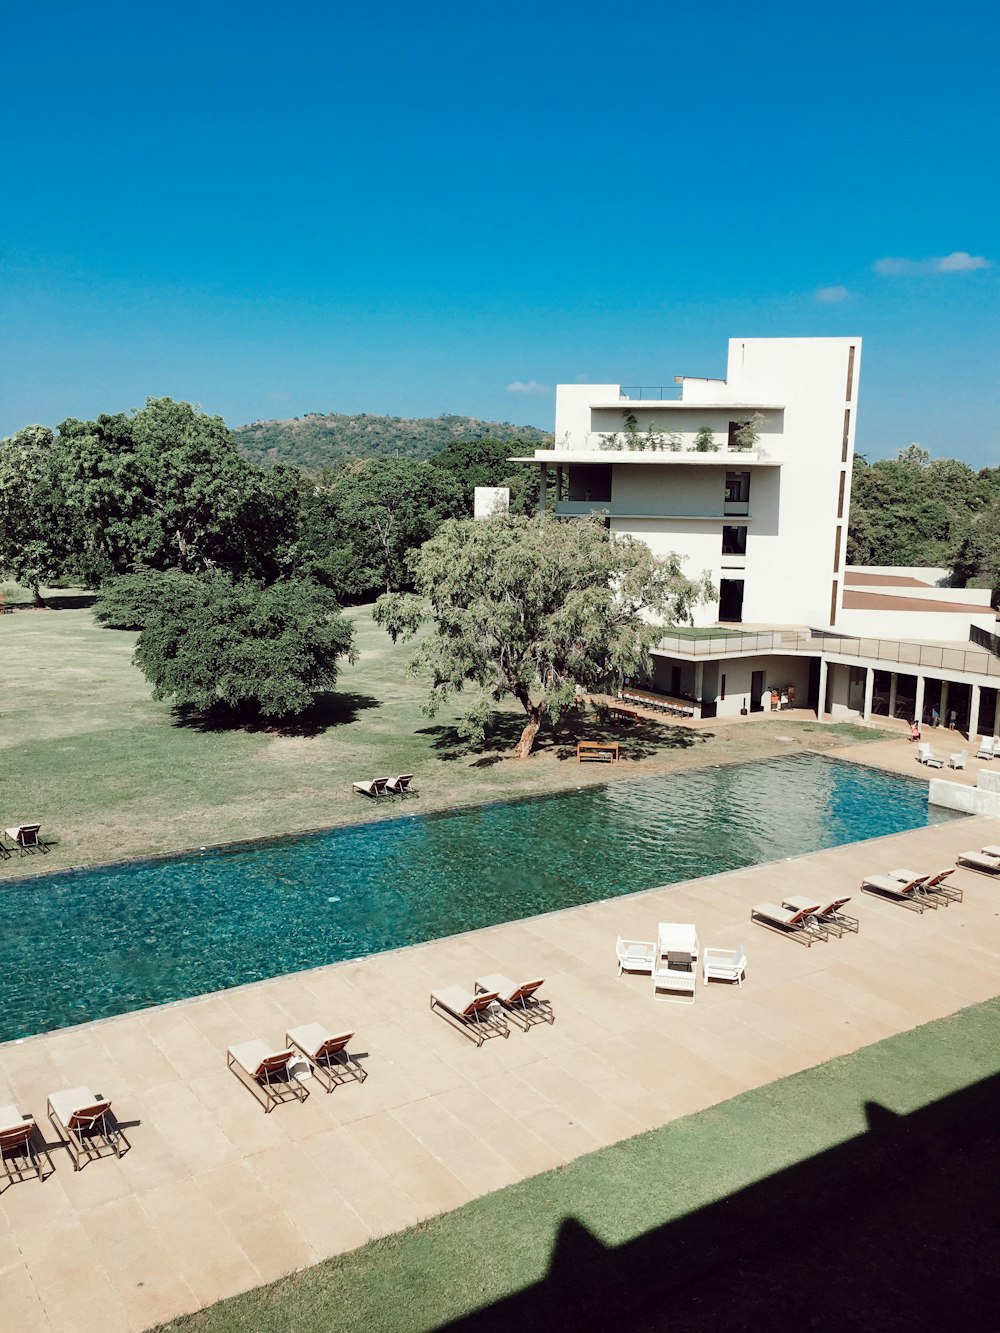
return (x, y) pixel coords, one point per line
(847, 432)
(737, 487)
(734, 541)
(850, 373)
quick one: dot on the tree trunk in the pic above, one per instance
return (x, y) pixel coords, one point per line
(40, 602)
(526, 744)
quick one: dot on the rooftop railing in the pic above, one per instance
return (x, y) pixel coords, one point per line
(650, 393)
(932, 656)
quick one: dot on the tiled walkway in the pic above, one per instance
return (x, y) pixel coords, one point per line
(216, 1197)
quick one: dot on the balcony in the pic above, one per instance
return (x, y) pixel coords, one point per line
(650, 393)
(616, 509)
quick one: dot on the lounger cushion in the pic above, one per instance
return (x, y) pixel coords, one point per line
(250, 1055)
(774, 913)
(496, 981)
(455, 998)
(11, 1118)
(888, 883)
(66, 1103)
(990, 864)
(312, 1037)
(991, 851)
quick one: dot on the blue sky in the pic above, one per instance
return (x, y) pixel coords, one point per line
(410, 209)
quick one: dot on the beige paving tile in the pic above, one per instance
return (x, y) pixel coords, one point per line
(23, 1309)
(267, 1236)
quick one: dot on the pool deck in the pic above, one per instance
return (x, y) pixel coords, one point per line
(215, 1197)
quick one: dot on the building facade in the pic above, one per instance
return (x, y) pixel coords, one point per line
(748, 478)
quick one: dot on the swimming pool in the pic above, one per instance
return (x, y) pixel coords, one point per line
(88, 944)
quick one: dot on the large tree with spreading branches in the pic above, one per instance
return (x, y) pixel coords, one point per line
(533, 608)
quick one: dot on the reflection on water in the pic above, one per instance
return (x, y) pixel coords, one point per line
(86, 945)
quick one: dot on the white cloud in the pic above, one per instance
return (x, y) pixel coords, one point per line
(831, 295)
(531, 388)
(959, 261)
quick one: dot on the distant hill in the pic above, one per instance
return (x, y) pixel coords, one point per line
(315, 441)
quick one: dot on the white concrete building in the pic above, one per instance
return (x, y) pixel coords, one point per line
(764, 509)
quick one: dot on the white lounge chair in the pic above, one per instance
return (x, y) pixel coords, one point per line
(635, 955)
(958, 760)
(520, 1002)
(930, 759)
(85, 1124)
(264, 1071)
(327, 1053)
(724, 965)
(987, 748)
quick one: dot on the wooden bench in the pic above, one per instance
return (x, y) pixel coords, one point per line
(607, 752)
(624, 714)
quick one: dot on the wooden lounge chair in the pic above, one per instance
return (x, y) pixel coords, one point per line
(373, 788)
(85, 1125)
(829, 914)
(25, 838)
(798, 925)
(265, 1072)
(907, 893)
(932, 884)
(519, 1002)
(401, 786)
(327, 1053)
(19, 1140)
(474, 1015)
(981, 862)
(635, 955)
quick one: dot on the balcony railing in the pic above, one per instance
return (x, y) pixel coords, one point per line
(929, 656)
(650, 393)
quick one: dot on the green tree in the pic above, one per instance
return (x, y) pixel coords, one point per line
(127, 601)
(36, 538)
(215, 643)
(164, 488)
(532, 608)
(362, 522)
(486, 462)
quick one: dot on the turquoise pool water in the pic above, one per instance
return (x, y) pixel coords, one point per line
(88, 944)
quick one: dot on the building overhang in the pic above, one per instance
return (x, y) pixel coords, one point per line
(730, 458)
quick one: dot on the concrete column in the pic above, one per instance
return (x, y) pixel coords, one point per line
(996, 716)
(973, 729)
(943, 705)
(893, 682)
(821, 700)
(866, 707)
(699, 679)
(543, 489)
(918, 705)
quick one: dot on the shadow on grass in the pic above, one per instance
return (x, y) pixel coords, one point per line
(639, 739)
(329, 710)
(896, 1228)
(502, 735)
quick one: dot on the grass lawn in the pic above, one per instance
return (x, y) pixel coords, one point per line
(860, 1194)
(109, 773)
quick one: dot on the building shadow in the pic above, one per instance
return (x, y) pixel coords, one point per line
(896, 1228)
